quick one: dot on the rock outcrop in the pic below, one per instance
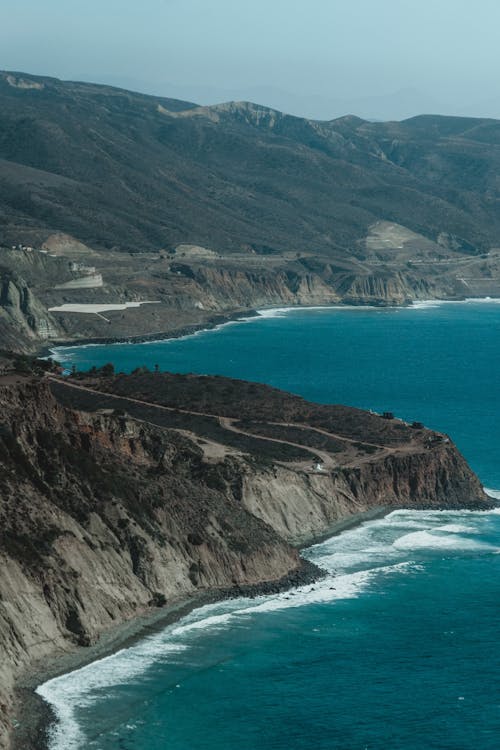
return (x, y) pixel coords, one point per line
(24, 320)
(301, 507)
(110, 506)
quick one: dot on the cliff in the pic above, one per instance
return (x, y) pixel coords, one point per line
(118, 495)
(24, 320)
(51, 293)
(43, 298)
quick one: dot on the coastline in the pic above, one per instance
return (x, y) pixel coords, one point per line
(351, 522)
(211, 324)
(30, 729)
(35, 716)
(47, 349)
(216, 322)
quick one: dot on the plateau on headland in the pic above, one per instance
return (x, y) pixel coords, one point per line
(159, 487)
(109, 198)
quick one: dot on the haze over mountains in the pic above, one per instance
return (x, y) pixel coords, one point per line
(393, 105)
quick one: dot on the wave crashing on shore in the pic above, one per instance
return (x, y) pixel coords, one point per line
(398, 544)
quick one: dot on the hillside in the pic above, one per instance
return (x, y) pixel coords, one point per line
(119, 169)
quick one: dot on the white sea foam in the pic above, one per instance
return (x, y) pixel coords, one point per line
(213, 621)
(425, 304)
(495, 494)
(82, 688)
(333, 588)
(280, 312)
(328, 589)
(429, 303)
(398, 537)
(486, 300)
(457, 528)
(394, 523)
(366, 546)
(428, 540)
(79, 689)
(355, 559)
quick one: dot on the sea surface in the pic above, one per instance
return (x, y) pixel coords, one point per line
(399, 647)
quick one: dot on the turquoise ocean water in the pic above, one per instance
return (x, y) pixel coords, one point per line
(399, 646)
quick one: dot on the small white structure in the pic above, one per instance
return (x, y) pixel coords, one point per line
(318, 466)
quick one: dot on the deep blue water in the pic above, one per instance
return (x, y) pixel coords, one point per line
(400, 648)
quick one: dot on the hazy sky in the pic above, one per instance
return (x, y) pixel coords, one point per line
(319, 54)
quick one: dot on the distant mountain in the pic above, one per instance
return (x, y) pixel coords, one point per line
(397, 105)
(137, 172)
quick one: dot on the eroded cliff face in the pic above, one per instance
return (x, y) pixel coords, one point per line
(191, 288)
(101, 518)
(306, 282)
(24, 320)
(231, 288)
(303, 507)
(104, 515)
(383, 289)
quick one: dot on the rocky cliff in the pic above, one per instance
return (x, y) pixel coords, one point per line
(52, 295)
(24, 320)
(111, 504)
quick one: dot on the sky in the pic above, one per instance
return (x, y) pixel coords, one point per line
(318, 58)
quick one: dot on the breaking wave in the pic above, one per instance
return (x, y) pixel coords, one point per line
(355, 560)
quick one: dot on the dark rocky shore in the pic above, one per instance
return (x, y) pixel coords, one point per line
(188, 330)
(35, 716)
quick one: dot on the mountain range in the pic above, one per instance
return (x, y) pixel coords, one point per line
(109, 196)
(136, 172)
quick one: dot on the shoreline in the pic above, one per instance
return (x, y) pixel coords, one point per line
(35, 716)
(30, 729)
(351, 522)
(47, 350)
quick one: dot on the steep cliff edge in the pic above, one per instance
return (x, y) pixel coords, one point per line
(24, 320)
(46, 296)
(119, 494)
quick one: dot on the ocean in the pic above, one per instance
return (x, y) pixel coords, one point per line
(398, 647)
